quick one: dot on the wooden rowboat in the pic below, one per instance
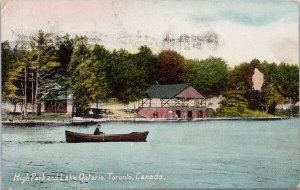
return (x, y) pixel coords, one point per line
(72, 137)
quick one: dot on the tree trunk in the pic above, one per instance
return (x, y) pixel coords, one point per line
(36, 91)
(6, 111)
(267, 108)
(22, 100)
(32, 93)
(73, 111)
(25, 93)
(97, 109)
(39, 108)
(22, 109)
(15, 108)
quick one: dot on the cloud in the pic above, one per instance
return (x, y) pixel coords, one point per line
(196, 29)
(274, 42)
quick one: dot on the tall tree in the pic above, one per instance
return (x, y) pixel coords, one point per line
(239, 89)
(64, 47)
(90, 86)
(80, 57)
(170, 67)
(81, 52)
(64, 50)
(286, 77)
(208, 76)
(100, 58)
(281, 84)
(127, 80)
(145, 60)
(242, 74)
(7, 59)
(15, 63)
(272, 97)
(234, 103)
(23, 63)
(87, 68)
(44, 64)
(88, 80)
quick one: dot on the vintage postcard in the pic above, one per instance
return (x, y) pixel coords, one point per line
(150, 94)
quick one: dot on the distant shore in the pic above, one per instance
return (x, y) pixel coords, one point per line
(79, 120)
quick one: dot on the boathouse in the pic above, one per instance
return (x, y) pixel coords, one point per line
(172, 101)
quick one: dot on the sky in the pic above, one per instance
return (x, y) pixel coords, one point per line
(235, 30)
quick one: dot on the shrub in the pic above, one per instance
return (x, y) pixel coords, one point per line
(211, 112)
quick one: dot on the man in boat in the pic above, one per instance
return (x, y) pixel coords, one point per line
(97, 130)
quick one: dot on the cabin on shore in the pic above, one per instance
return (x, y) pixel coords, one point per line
(57, 104)
(173, 101)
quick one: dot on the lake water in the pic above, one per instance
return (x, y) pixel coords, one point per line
(205, 154)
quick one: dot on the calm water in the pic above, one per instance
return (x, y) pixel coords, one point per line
(207, 154)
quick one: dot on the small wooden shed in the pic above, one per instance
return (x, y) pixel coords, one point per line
(58, 104)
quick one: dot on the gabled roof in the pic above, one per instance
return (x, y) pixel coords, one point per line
(190, 93)
(168, 91)
(165, 91)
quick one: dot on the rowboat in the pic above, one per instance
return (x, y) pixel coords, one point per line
(73, 137)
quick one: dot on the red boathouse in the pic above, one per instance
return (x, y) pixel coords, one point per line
(172, 101)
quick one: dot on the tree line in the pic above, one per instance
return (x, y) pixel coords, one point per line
(46, 65)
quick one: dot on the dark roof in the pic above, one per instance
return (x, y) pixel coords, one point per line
(165, 91)
(57, 97)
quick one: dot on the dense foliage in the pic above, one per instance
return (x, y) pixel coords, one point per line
(49, 65)
(169, 67)
(208, 76)
(281, 84)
